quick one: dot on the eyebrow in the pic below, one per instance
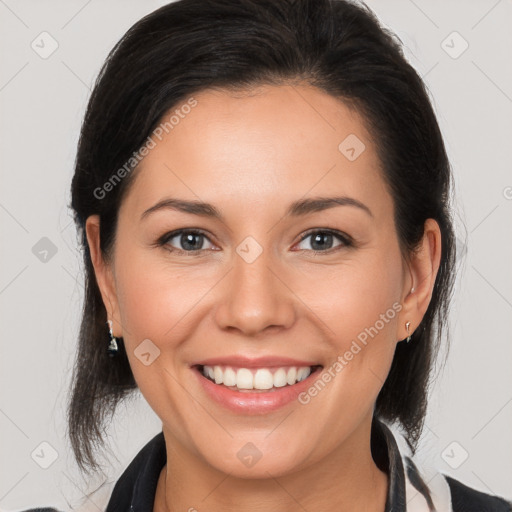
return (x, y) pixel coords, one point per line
(296, 209)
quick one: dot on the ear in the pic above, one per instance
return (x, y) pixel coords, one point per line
(104, 274)
(423, 268)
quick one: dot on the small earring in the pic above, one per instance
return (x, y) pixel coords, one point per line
(407, 325)
(112, 348)
(412, 289)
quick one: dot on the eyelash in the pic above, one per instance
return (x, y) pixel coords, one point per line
(163, 241)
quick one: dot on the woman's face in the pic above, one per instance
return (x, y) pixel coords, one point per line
(251, 284)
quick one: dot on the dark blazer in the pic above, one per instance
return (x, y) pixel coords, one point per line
(135, 490)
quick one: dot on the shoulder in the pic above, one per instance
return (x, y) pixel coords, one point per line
(95, 501)
(437, 490)
(41, 509)
(142, 471)
(467, 499)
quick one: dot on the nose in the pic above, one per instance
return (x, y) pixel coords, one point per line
(255, 298)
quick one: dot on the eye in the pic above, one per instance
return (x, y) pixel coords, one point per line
(188, 240)
(322, 240)
(191, 241)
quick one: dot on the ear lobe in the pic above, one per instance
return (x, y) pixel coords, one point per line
(102, 269)
(424, 266)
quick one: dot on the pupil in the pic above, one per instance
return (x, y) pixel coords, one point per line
(321, 236)
(186, 239)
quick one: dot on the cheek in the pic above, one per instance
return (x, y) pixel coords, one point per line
(355, 296)
(144, 303)
(359, 306)
(157, 300)
(362, 315)
(153, 305)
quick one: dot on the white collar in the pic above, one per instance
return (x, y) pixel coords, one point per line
(414, 487)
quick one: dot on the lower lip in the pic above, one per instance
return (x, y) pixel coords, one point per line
(248, 402)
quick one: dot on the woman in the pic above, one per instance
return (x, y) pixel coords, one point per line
(263, 196)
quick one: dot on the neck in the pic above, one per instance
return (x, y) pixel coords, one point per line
(347, 479)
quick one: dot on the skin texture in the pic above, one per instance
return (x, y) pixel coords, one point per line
(251, 155)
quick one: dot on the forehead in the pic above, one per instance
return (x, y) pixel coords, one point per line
(267, 146)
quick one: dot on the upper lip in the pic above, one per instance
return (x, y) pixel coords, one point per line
(257, 362)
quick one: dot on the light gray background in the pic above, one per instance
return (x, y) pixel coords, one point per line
(42, 103)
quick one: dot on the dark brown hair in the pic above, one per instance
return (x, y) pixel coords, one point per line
(192, 45)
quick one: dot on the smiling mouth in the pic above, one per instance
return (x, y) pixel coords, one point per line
(256, 379)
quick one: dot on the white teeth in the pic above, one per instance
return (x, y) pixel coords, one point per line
(280, 378)
(217, 372)
(303, 373)
(261, 378)
(229, 377)
(244, 379)
(291, 378)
